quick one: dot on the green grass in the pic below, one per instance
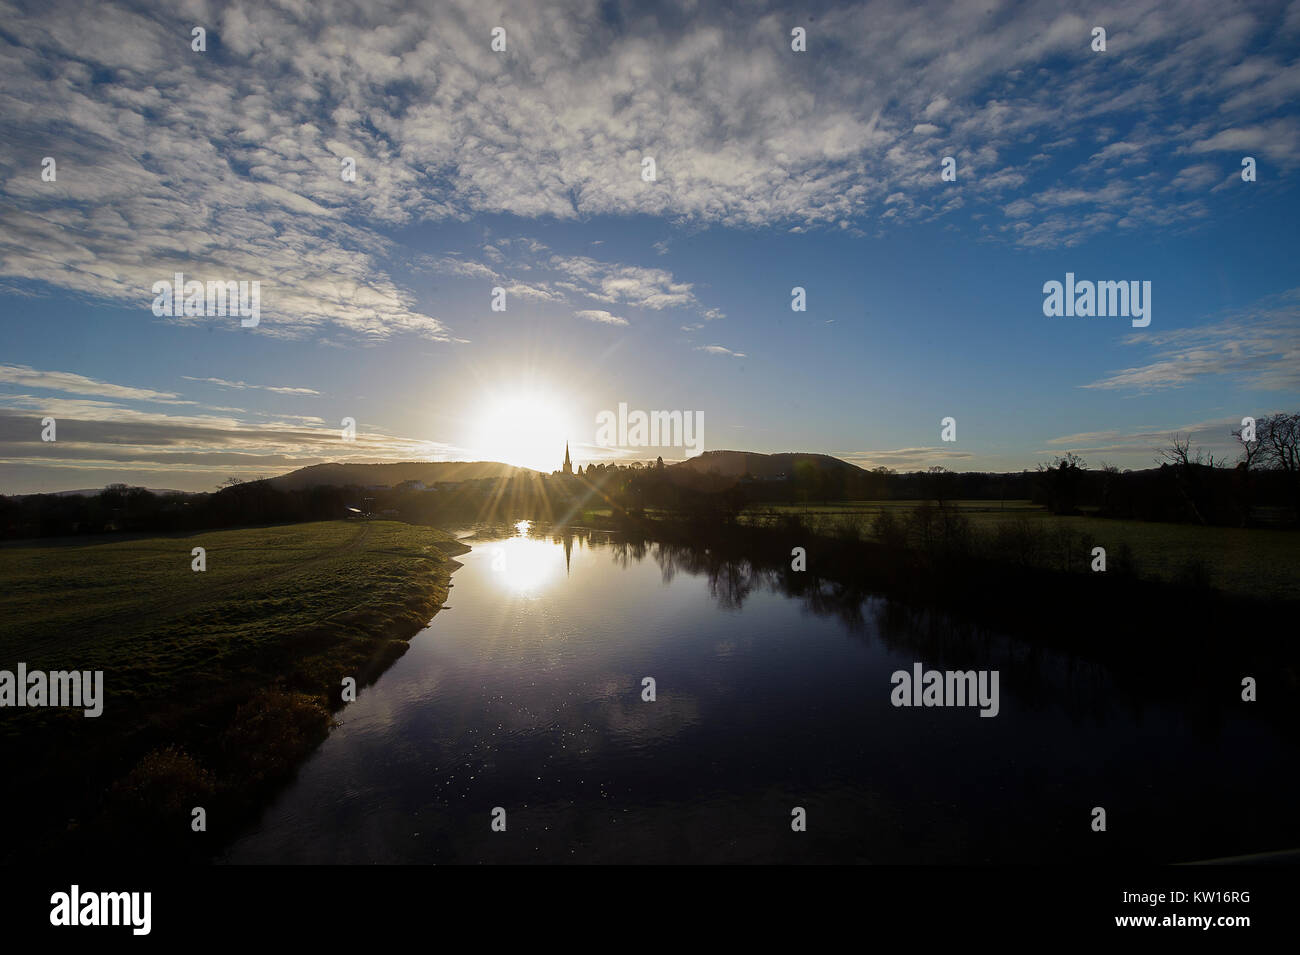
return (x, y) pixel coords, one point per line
(1259, 562)
(219, 680)
(137, 610)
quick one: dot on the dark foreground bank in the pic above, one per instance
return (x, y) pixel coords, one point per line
(218, 679)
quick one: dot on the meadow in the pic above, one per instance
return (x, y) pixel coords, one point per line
(1255, 562)
(217, 682)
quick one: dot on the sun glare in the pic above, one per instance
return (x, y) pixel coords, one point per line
(526, 429)
(526, 566)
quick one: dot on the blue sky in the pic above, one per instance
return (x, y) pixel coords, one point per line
(522, 170)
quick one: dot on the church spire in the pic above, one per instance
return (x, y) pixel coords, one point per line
(568, 465)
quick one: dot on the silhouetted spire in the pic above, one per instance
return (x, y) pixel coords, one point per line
(568, 465)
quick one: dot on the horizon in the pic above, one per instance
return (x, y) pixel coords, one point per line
(463, 251)
(648, 462)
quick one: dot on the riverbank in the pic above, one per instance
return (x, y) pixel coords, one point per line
(218, 681)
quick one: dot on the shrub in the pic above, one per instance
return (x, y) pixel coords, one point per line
(166, 779)
(889, 531)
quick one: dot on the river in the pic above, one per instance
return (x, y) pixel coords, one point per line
(526, 694)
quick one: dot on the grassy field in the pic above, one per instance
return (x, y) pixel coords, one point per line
(216, 683)
(1260, 562)
(138, 611)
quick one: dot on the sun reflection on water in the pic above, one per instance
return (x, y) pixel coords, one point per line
(526, 566)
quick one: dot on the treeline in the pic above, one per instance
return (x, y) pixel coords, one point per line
(119, 508)
(122, 509)
(1260, 486)
(1189, 492)
(1194, 493)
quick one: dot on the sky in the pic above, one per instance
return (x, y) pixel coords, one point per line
(523, 170)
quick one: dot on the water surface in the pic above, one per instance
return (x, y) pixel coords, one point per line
(526, 694)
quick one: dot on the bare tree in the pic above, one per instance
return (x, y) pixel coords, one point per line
(1179, 453)
(1250, 450)
(1187, 467)
(1279, 438)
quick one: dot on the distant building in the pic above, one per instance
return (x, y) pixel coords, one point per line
(568, 465)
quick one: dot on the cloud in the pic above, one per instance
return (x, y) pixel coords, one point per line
(1198, 177)
(719, 350)
(937, 107)
(903, 459)
(467, 268)
(71, 383)
(227, 164)
(599, 315)
(1258, 347)
(558, 278)
(533, 293)
(1018, 209)
(187, 451)
(243, 385)
(106, 427)
(624, 284)
(1279, 140)
(1141, 444)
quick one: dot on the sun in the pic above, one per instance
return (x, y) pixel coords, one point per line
(526, 428)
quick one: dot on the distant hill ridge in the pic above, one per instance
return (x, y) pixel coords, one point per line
(729, 464)
(737, 464)
(366, 475)
(732, 464)
(95, 491)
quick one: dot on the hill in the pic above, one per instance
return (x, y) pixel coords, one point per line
(368, 475)
(737, 464)
(93, 491)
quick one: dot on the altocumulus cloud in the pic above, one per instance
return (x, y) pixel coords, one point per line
(225, 164)
(1258, 347)
(570, 279)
